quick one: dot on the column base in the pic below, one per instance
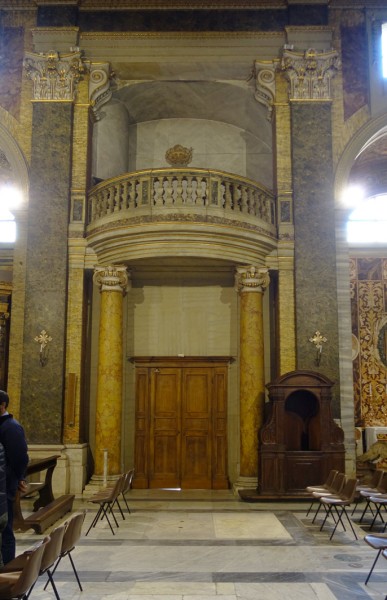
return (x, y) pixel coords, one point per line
(97, 483)
(241, 483)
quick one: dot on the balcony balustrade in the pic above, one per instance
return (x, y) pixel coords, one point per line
(199, 191)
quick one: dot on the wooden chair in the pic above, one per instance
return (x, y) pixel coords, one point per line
(73, 531)
(345, 499)
(106, 499)
(17, 584)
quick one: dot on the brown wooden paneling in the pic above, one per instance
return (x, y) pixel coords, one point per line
(164, 431)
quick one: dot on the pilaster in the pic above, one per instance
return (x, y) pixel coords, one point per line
(309, 74)
(55, 79)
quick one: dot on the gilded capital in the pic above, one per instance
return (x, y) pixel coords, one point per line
(252, 279)
(114, 278)
(54, 76)
(310, 73)
(99, 87)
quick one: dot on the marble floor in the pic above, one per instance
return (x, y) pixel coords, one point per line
(202, 545)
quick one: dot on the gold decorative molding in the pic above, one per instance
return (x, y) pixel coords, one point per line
(252, 279)
(178, 156)
(99, 86)
(54, 76)
(113, 278)
(310, 73)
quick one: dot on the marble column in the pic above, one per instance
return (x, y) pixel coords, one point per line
(113, 281)
(251, 283)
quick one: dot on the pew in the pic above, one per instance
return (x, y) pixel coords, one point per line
(47, 509)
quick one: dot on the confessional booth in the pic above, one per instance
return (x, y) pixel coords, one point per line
(299, 442)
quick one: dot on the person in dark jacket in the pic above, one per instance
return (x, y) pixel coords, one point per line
(16, 459)
(3, 496)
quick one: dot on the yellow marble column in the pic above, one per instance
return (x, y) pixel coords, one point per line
(251, 283)
(113, 281)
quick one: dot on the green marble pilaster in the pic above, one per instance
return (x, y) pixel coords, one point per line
(43, 386)
(315, 244)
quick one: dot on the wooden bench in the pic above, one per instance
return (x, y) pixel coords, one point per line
(47, 515)
(46, 508)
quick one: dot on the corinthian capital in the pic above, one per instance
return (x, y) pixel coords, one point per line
(252, 279)
(310, 73)
(111, 279)
(55, 76)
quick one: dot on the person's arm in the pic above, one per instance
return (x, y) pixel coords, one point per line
(16, 450)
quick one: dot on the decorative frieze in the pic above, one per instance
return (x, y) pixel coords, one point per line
(310, 73)
(55, 76)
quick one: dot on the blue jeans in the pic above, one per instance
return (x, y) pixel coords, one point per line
(8, 543)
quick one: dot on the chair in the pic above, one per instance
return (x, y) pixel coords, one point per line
(371, 487)
(50, 555)
(345, 499)
(377, 542)
(367, 494)
(335, 491)
(72, 533)
(127, 486)
(380, 502)
(106, 499)
(321, 488)
(17, 584)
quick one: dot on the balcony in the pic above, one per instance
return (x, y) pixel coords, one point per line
(177, 210)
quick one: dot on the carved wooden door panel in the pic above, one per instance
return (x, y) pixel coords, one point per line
(165, 428)
(196, 437)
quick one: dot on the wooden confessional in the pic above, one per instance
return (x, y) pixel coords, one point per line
(300, 442)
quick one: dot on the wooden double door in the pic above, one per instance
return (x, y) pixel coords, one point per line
(181, 423)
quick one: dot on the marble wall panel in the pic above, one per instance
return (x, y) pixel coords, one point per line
(46, 269)
(315, 244)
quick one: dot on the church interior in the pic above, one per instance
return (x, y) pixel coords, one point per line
(193, 259)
